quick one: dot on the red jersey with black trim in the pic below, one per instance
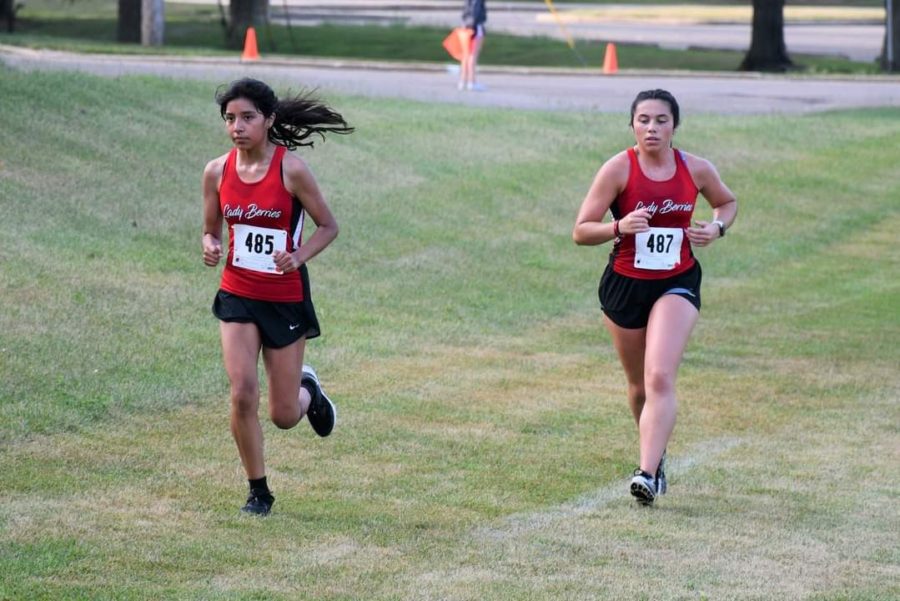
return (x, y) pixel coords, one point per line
(664, 251)
(262, 217)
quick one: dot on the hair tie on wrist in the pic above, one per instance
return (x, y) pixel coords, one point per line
(616, 228)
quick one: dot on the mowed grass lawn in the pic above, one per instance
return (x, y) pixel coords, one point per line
(484, 441)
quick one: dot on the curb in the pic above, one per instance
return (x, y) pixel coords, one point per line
(422, 66)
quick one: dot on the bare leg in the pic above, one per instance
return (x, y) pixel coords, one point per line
(469, 63)
(240, 349)
(465, 63)
(288, 401)
(473, 58)
(629, 344)
(671, 322)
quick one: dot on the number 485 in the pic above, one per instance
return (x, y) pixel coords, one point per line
(255, 243)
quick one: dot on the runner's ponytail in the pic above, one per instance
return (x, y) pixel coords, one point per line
(297, 118)
(302, 116)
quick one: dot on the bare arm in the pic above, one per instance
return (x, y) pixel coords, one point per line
(300, 182)
(719, 197)
(608, 183)
(212, 214)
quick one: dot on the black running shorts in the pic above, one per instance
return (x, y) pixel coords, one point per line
(279, 324)
(628, 301)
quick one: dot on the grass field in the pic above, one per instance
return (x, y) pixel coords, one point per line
(484, 440)
(90, 26)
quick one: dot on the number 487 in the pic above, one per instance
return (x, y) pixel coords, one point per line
(659, 243)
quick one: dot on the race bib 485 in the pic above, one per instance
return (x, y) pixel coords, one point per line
(253, 247)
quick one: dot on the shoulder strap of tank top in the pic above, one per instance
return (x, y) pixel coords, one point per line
(634, 170)
(632, 155)
(278, 158)
(230, 163)
(275, 166)
(681, 167)
(680, 163)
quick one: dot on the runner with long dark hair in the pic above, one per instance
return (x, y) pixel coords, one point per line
(264, 192)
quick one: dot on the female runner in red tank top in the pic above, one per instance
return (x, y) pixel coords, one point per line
(650, 291)
(263, 192)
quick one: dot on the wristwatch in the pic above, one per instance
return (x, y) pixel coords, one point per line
(721, 228)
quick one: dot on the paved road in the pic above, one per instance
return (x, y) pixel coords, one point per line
(856, 41)
(514, 88)
(853, 40)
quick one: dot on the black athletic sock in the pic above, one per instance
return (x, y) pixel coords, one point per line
(259, 484)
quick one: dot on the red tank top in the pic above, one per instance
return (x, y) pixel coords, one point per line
(664, 251)
(262, 217)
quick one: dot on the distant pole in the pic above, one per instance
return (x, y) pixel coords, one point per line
(889, 34)
(152, 22)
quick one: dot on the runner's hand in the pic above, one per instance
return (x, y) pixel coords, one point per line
(285, 262)
(635, 222)
(703, 233)
(212, 251)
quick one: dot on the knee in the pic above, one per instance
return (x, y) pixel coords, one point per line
(244, 397)
(636, 392)
(283, 420)
(659, 380)
(284, 413)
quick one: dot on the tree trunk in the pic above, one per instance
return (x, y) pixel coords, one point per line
(8, 14)
(767, 49)
(244, 14)
(129, 29)
(890, 61)
(153, 22)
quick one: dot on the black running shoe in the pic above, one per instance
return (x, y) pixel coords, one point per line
(322, 413)
(259, 502)
(661, 484)
(643, 487)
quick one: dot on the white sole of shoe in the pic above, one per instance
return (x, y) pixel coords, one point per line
(309, 371)
(642, 493)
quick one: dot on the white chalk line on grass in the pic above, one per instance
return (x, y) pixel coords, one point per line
(523, 523)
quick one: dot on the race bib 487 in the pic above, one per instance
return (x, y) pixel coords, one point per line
(659, 249)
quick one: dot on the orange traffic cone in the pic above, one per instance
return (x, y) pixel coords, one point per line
(251, 53)
(610, 62)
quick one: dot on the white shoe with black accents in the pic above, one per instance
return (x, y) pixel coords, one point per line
(322, 413)
(643, 487)
(661, 484)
